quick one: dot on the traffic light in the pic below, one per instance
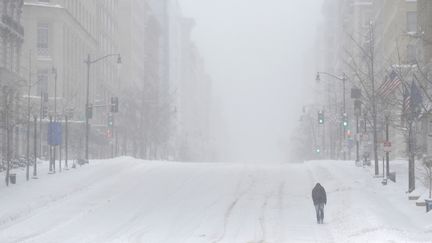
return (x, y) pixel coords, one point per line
(114, 104)
(318, 150)
(110, 125)
(109, 133)
(110, 120)
(44, 111)
(345, 120)
(320, 117)
(89, 111)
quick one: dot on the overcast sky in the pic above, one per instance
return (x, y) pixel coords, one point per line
(259, 54)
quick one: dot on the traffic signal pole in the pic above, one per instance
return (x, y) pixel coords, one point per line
(387, 153)
(343, 130)
(89, 62)
(344, 111)
(357, 138)
(87, 126)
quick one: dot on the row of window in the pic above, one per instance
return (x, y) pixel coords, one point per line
(10, 49)
(411, 21)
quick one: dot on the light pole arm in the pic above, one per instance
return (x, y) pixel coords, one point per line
(101, 58)
(334, 76)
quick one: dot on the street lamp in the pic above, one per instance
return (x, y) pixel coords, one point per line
(89, 62)
(342, 78)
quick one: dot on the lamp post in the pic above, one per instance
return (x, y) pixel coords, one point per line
(343, 78)
(89, 62)
(54, 147)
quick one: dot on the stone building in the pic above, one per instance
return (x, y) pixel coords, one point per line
(11, 40)
(12, 37)
(60, 34)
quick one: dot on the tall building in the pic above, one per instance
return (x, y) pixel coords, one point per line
(11, 40)
(59, 36)
(396, 26)
(12, 37)
(424, 10)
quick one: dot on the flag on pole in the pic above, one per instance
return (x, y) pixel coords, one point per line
(412, 101)
(387, 87)
(406, 101)
(416, 100)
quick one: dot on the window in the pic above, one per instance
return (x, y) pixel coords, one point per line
(42, 39)
(2, 52)
(411, 22)
(411, 54)
(42, 81)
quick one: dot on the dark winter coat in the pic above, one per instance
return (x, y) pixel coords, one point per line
(319, 195)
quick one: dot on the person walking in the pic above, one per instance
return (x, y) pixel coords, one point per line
(319, 198)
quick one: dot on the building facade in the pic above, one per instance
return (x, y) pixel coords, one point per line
(60, 34)
(11, 41)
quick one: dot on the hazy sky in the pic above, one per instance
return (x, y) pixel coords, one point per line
(259, 54)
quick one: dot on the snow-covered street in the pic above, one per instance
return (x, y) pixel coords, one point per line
(128, 200)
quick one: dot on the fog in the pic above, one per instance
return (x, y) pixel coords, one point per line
(260, 57)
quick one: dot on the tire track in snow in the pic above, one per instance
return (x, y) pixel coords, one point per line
(233, 204)
(262, 218)
(198, 178)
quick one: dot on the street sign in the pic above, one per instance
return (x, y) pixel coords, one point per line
(355, 93)
(54, 133)
(350, 143)
(359, 137)
(114, 104)
(387, 146)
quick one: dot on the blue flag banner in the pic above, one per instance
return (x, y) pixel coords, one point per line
(54, 133)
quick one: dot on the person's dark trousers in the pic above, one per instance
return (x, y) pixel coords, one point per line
(319, 208)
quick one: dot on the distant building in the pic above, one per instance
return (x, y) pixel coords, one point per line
(194, 99)
(141, 119)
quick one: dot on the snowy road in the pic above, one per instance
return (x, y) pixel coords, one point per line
(126, 200)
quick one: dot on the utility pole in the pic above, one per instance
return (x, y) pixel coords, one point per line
(28, 121)
(66, 142)
(411, 159)
(51, 164)
(41, 117)
(344, 112)
(387, 152)
(357, 136)
(342, 140)
(89, 61)
(374, 105)
(6, 94)
(35, 147)
(54, 71)
(87, 125)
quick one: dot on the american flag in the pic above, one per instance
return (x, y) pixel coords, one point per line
(412, 101)
(392, 82)
(406, 103)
